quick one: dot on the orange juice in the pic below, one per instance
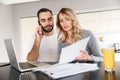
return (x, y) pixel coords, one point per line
(110, 75)
(109, 61)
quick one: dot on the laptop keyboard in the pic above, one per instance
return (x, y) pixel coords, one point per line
(26, 65)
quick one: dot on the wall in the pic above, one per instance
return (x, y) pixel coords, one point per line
(6, 29)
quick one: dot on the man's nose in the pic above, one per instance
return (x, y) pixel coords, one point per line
(47, 22)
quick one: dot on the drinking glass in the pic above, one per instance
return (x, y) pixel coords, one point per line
(109, 58)
(110, 75)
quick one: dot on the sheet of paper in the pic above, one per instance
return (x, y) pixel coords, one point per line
(68, 69)
(72, 69)
(69, 53)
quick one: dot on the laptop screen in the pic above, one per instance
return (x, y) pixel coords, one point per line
(11, 53)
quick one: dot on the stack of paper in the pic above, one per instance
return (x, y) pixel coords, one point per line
(62, 70)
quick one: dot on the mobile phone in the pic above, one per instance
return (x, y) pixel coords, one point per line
(39, 23)
(41, 28)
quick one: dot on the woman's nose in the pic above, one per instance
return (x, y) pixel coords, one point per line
(64, 22)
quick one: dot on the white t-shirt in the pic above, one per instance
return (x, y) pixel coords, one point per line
(48, 51)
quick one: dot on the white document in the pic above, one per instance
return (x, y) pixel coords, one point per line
(62, 70)
(69, 53)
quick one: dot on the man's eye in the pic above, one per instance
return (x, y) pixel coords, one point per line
(50, 19)
(42, 20)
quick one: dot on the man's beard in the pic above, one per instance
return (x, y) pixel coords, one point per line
(47, 30)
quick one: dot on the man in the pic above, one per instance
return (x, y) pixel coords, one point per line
(45, 46)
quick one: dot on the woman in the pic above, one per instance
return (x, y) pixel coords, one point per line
(70, 32)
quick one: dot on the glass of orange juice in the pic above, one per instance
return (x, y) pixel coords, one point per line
(110, 75)
(109, 58)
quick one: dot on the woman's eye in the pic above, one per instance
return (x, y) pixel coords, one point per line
(67, 19)
(61, 21)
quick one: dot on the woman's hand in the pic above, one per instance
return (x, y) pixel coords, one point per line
(84, 56)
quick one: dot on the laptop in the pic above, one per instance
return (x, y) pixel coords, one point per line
(22, 67)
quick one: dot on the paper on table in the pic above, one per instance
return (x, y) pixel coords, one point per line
(68, 69)
(69, 53)
(72, 69)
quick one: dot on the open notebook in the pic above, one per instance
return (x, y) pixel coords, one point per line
(64, 68)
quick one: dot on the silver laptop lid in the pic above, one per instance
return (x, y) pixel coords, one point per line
(13, 58)
(11, 53)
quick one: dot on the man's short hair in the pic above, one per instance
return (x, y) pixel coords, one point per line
(43, 10)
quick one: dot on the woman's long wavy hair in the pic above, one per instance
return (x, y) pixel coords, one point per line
(76, 30)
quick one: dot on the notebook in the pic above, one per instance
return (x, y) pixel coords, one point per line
(22, 67)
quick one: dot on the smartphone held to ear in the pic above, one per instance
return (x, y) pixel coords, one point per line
(39, 23)
(40, 32)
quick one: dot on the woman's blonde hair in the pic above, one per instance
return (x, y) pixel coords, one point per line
(76, 30)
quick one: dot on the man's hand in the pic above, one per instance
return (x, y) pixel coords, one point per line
(38, 33)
